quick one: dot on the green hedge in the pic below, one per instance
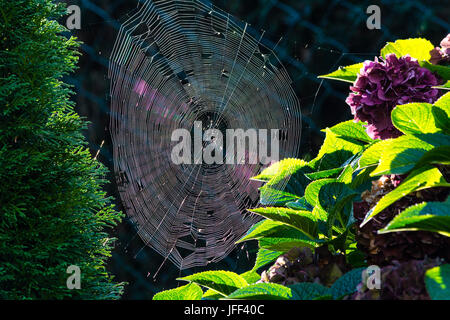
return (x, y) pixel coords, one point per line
(53, 210)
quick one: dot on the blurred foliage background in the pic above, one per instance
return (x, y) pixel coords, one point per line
(314, 37)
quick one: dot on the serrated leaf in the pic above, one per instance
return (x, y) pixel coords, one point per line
(437, 282)
(276, 236)
(333, 198)
(264, 257)
(371, 156)
(441, 118)
(441, 113)
(335, 151)
(346, 175)
(444, 102)
(273, 197)
(435, 139)
(261, 229)
(352, 130)
(190, 291)
(331, 173)
(212, 295)
(262, 291)
(347, 73)
(419, 179)
(224, 282)
(414, 118)
(285, 239)
(347, 283)
(300, 204)
(438, 155)
(426, 216)
(313, 189)
(280, 168)
(308, 291)
(304, 221)
(251, 276)
(361, 179)
(287, 185)
(417, 48)
(401, 155)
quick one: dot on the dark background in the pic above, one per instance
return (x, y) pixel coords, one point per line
(317, 36)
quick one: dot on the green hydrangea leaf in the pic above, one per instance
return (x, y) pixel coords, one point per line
(251, 276)
(371, 156)
(347, 283)
(313, 189)
(262, 291)
(335, 151)
(401, 155)
(190, 291)
(223, 282)
(441, 112)
(286, 185)
(331, 173)
(352, 130)
(300, 204)
(283, 168)
(444, 102)
(435, 139)
(426, 216)
(301, 220)
(347, 73)
(284, 238)
(441, 118)
(261, 229)
(270, 196)
(309, 291)
(414, 118)
(417, 48)
(335, 198)
(276, 236)
(438, 155)
(419, 179)
(264, 257)
(437, 282)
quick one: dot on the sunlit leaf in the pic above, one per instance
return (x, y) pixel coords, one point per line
(419, 179)
(417, 48)
(224, 282)
(347, 73)
(352, 130)
(301, 220)
(262, 291)
(426, 216)
(414, 118)
(190, 291)
(401, 155)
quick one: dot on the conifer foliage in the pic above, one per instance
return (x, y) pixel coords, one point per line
(53, 211)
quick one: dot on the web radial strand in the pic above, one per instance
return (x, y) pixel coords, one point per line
(174, 63)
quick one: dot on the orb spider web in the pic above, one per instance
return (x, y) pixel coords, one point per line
(175, 63)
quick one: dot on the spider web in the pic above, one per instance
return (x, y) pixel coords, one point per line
(174, 63)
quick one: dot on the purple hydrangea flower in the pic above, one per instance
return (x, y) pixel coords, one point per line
(441, 55)
(385, 83)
